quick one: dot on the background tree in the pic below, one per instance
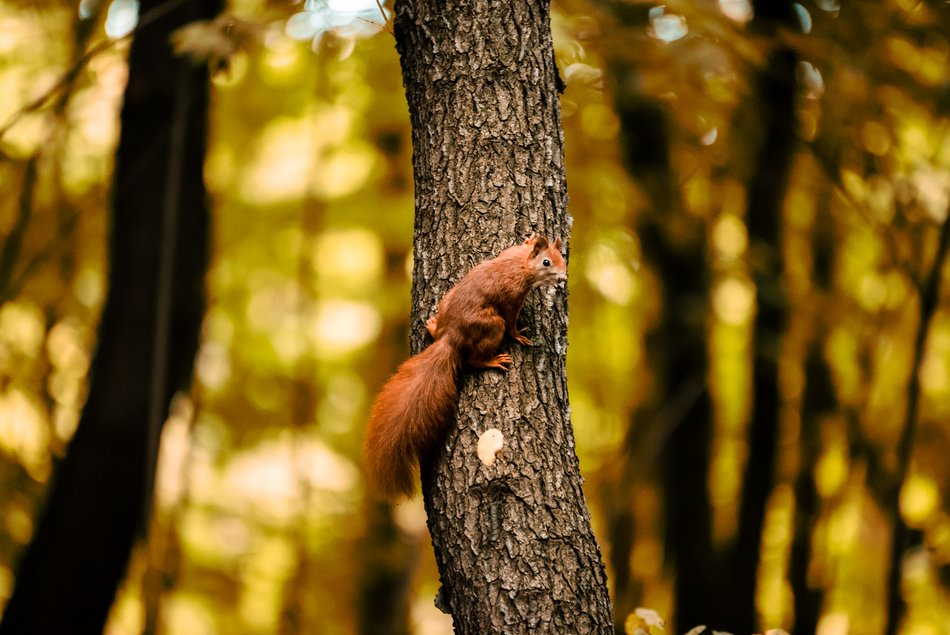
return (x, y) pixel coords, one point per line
(766, 114)
(673, 428)
(770, 168)
(817, 407)
(101, 491)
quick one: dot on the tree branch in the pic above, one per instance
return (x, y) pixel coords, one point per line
(69, 77)
(929, 296)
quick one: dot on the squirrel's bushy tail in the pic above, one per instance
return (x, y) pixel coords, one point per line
(409, 417)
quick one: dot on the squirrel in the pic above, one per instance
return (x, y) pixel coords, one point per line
(416, 404)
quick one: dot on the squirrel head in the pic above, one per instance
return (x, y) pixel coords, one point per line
(545, 261)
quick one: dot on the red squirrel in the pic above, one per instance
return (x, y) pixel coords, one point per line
(414, 407)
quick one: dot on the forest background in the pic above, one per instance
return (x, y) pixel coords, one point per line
(716, 359)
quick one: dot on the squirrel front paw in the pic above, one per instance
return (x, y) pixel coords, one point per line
(431, 325)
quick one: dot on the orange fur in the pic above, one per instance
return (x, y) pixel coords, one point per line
(413, 408)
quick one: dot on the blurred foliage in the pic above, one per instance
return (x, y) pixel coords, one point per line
(262, 526)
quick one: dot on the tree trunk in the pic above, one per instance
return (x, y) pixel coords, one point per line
(776, 88)
(68, 577)
(386, 553)
(903, 538)
(513, 540)
(818, 403)
(680, 414)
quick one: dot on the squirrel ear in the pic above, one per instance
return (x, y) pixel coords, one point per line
(557, 244)
(540, 243)
(530, 239)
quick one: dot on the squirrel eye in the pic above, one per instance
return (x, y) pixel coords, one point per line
(546, 262)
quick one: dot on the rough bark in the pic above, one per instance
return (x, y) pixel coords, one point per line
(68, 577)
(513, 540)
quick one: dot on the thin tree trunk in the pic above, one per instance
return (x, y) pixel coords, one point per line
(386, 552)
(735, 609)
(388, 555)
(513, 540)
(384, 575)
(679, 417)
(901, 538)
(818, 402)
(677, 351)
(68, 577)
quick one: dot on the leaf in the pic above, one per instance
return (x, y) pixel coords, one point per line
(696, 630)
(643, 621)
(214, 42)
(650, 617)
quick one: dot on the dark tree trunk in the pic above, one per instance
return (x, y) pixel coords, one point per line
(385, 575)
(68, 577)
(678, 353)
(903, 538)
(676, 426)
(735, 609)
(681, 418)
(386, 552)
(513, 540)
(818, 403)
(686, 492)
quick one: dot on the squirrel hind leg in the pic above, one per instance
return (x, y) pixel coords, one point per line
(502, 361)
(486, 334)
(518, 335)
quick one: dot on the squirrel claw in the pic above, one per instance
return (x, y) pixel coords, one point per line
(431, 325)
(500, 361)
(518, 336)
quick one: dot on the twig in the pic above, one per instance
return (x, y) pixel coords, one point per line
(70, 75)
(14, 240)
(11, 289)
(386, 25)
(893, 252)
